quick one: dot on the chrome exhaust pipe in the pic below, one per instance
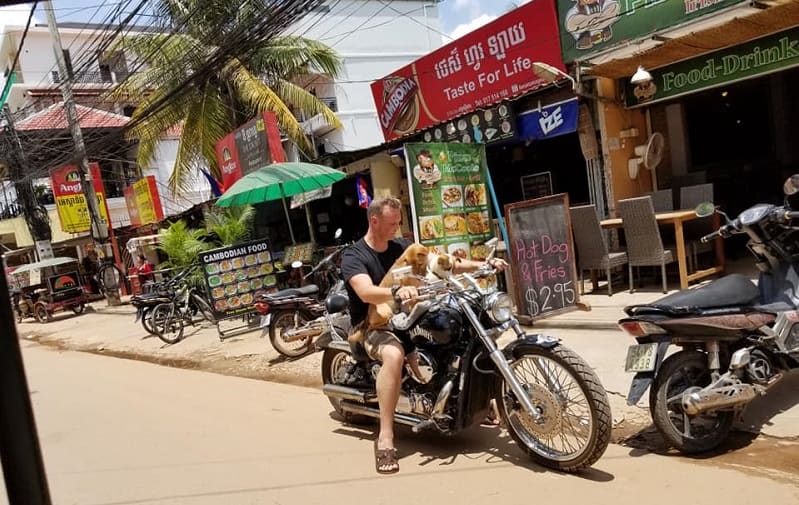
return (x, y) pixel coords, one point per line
(299, 333)
(726, 397)
(345, 393)
(354, 408)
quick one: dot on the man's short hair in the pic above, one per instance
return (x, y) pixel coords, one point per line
(377, 206)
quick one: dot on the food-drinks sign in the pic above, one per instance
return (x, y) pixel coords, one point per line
(489, 65)
(249, 147)
(449, 192)
(70, 201)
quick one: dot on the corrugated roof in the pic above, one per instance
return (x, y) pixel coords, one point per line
(55, 118)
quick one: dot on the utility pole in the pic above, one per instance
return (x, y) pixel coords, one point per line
(99, 230)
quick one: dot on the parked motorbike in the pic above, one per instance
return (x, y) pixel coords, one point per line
(737, 339)
(297, 321)
(159, 293)
(551, 400)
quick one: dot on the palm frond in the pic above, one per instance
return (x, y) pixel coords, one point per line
(230, 224)
(153, 127)
(287, 57)
(181, 244)
(259, 97)
(299, 99)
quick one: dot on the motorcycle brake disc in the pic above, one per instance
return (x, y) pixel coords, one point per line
(551, 421)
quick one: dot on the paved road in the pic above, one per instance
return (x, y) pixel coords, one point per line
(124, 432)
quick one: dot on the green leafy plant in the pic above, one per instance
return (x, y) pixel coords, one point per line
(231, 225)
(182, 245)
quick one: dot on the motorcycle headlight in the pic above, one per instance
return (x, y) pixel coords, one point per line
(499, 307)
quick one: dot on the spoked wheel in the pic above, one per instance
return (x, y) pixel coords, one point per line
(204, 309)
(283, 320)
(335, 364)
(42, 314)
(168, 323)
(689, 434)
(147, 320)
(574, 426)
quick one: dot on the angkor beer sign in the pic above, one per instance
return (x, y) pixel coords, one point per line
(757, 57)
(249, 147)
(588, 27)
(73, 211)
(143, 203)
(482, 68)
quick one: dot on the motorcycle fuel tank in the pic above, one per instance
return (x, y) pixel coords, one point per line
(440, 326)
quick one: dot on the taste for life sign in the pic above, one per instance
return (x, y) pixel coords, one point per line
(761, 56)
(73, 211)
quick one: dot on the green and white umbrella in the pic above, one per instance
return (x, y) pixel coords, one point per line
(278, 181)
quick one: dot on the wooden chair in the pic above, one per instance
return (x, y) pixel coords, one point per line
(641, 233)
(592, 246)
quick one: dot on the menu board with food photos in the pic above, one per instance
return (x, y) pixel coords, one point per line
(299, 252)
(235, 276)
(449, 197)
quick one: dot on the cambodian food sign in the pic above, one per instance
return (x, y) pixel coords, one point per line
(235, 276)
(489, 65)
(450, 202)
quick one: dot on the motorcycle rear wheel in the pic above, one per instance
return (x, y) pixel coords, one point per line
(575, 425)
(333, 361)
(687, 434)
(283, 320)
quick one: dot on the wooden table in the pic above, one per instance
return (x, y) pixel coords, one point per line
(678, 217)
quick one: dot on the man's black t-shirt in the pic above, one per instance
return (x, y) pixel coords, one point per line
(362, 259)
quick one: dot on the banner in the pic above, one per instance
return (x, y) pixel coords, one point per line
(73, 211)
(450, 206)
(493, 124)
(484, 67)
(144, 205)
(757, 57)
(588, 28)
(249, 147)
(301, 199)
(550, 121)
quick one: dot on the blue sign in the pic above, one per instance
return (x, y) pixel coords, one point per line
(550, 121)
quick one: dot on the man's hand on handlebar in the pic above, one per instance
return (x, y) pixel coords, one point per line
(405, 293)
(497, 263)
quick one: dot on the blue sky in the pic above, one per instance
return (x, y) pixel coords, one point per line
(456, 16)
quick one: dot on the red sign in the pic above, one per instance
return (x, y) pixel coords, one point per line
(73, 211)
(482, 68)
(249, 147)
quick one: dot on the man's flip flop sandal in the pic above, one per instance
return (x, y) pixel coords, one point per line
(386, 460)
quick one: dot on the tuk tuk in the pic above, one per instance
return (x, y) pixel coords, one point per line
(43, 288)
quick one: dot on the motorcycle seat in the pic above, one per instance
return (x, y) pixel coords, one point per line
(734, 292)
(310, 289)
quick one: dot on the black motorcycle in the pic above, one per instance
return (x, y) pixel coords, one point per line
(551, 400)
(160, 292)
(297, 320)
(737, 339)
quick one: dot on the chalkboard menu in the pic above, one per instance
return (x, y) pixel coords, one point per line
(235, 276)
(536, 185)
(541, 255)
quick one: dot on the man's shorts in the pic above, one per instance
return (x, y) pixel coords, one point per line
(377, 338)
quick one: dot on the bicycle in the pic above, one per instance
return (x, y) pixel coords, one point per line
(169, 319)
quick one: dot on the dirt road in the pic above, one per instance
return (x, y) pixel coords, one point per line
(124, 432)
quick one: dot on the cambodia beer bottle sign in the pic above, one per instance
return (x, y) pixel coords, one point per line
(449, 192)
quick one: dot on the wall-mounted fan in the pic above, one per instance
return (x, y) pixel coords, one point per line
(649, 155)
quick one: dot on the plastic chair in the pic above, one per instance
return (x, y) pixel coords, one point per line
(591, 244)
(663, 200)
(644, 244)
(690, 197)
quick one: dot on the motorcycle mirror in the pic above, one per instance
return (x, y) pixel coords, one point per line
(705, 209)
(337, 234)
(296, 264)
(791, 186)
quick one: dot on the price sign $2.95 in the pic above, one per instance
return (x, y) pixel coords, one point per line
(548, 298)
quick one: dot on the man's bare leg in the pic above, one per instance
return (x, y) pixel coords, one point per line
(392, 358)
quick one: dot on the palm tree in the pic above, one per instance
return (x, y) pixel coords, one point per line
(182, 245)
(231, 225)
(242, 85)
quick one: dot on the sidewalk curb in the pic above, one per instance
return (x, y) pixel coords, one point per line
(575, 325)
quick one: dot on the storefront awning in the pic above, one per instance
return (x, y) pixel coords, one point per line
(729, 28)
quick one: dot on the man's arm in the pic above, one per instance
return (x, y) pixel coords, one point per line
(369, 293)
(465, 266)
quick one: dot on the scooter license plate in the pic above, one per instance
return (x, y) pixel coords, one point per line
(641, 358)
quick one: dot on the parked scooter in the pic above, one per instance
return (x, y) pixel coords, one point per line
(160, 292)
(737, 339)
(297, 321)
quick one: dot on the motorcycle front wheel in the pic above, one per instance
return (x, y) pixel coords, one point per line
(575, 423)
(687, 434)
(283, 320)
(147, 320)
